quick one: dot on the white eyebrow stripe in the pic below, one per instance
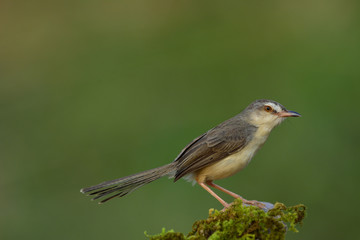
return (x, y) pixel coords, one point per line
(277, 108)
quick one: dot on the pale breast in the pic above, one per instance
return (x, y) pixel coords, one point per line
(235, 162)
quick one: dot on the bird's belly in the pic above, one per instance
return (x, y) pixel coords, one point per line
(229, 165)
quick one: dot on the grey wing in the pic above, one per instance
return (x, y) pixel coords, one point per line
(213, 146)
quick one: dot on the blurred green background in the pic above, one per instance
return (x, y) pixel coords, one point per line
(92, 91)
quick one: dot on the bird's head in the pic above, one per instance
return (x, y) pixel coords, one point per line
(267, 113)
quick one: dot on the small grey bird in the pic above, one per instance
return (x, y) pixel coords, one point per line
(219, 153)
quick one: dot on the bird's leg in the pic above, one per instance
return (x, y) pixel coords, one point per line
(225, 204)
(225, 190)
(253, 202)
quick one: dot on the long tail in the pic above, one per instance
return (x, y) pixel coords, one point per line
(122, 186)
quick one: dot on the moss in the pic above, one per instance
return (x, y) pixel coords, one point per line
(242, 222)
(170, 235)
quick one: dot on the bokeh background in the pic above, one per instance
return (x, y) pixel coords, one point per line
(96, 90)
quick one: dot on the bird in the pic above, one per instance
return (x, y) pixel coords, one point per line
(217, 154)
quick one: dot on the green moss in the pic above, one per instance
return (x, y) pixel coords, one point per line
(242, 222)
(170, 235)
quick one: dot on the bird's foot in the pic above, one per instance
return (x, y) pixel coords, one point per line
(254, 203)
(226, 206)
(247, 202)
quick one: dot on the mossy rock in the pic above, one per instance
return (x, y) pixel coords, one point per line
(242, 222)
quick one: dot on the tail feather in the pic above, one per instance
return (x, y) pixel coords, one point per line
(123, 186)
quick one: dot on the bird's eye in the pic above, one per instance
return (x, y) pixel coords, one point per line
(268, 108)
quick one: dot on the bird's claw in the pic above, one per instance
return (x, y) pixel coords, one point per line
(254, 203)
(226, 206)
